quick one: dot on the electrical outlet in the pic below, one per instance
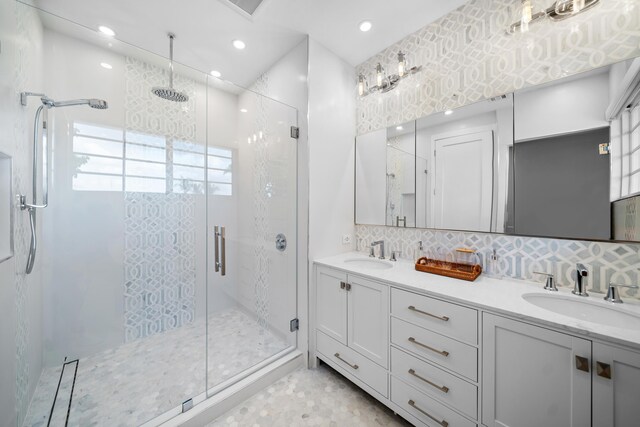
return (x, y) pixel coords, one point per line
(346, 239)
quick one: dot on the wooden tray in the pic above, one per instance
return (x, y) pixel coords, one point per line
(450, 269)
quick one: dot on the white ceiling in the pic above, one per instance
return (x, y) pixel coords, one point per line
(205, 28)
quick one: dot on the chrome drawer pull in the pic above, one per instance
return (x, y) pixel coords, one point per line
(340, 358)
(444, 318)
(443, 423)
(435, 350)
(442, 388)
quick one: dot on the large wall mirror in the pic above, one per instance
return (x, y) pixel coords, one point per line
(556, 160)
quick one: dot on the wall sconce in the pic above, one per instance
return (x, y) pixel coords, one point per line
(558, 11)
(385, 83)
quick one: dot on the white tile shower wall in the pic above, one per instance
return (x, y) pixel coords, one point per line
(467, 56)
(519, 256)
(20, 295)
(159, 254)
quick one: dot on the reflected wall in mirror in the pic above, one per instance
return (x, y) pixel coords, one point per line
(462, 167)
(385, 177)
(577, 150)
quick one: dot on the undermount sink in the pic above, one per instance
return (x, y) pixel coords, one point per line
(370, 263)
(590, 311)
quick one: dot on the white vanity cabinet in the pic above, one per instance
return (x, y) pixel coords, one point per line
(352, 325)
(438, 361)
(616, 386)
(534, 376)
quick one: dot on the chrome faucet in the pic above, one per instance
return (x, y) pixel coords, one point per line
(373, 245)
(613, 295)
(580, 287)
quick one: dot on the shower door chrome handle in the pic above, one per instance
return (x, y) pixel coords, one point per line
(223, 254)
(216, 263)
(220, 250)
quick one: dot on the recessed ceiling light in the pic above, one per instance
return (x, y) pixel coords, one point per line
(106, 65)
(106, 30)
(448, 112)
(365, 26)
(216, 73)
(239, 44)
(399, 127)
(243, 110)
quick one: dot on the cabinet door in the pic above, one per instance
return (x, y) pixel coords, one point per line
(368, 314)
(331, 303)
(616, 386)
(531, 376)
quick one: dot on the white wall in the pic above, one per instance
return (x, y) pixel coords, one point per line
(331, 158)
(20, 295)
(562, 107)
(371, 168)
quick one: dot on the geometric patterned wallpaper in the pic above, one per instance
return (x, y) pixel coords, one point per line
(159, 255)
(519, 257)
(466, 57)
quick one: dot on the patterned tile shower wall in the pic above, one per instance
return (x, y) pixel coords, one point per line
(261, 267)
(518, 256)
(159, 256)
(28, 29)
(467, 56)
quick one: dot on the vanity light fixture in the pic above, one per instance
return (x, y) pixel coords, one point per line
(106, 31)
(384, 82)
(558, 11)
(239, 44)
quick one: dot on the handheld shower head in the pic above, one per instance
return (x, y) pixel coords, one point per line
(98, 104)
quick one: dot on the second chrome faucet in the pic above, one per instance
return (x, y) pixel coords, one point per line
(373, 246)
(580, 286)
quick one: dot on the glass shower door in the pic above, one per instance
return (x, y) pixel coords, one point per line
(251, 217)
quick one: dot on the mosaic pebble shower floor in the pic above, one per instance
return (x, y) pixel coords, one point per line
(133, 383)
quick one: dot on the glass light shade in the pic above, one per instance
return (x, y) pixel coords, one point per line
(402, 64)
(361, 85)
(379, 75)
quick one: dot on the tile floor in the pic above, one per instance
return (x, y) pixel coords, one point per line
(318, 397)
(136, 382)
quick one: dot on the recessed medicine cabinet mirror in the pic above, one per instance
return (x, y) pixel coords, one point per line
(560, 160)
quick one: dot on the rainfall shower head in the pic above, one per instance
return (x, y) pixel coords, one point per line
(98, 104)
(169, 93)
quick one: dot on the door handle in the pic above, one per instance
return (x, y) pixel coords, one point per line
(220, 253)
(223, 256)
(216, 250)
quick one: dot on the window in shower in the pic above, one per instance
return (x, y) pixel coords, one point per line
(110, 159)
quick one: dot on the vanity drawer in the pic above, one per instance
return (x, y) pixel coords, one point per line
(439, 316)
(435, 382)
(352, 362)
(451, 354)
(427, 410)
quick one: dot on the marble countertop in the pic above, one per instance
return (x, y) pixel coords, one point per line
(500, 296)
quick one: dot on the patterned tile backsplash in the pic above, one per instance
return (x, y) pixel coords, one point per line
(519, 257)
(467, 56)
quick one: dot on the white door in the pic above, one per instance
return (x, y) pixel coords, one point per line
(331, 303)
(616, 386)
(533, 376)
(463, 187)
(368, 308)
